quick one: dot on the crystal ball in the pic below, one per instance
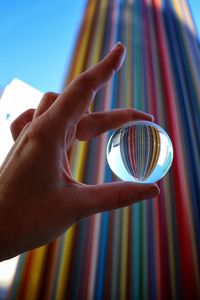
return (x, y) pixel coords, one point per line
(140, 151)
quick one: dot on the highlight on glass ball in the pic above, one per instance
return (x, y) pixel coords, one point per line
(140, 151)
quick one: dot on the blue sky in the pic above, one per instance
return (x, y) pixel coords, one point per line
(195, 9)
(37, 39)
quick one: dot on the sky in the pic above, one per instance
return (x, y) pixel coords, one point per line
(37, 39)
(195, 9)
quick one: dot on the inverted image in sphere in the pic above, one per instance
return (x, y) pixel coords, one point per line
(141, 151)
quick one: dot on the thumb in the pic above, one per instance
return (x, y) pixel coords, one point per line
(110, 196)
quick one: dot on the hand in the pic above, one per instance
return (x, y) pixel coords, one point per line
(39, 198)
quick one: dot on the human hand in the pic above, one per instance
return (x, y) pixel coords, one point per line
(39, 198)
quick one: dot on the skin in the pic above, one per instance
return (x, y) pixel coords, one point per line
(39, 198)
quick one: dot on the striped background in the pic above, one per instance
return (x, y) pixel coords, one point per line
(151, 249)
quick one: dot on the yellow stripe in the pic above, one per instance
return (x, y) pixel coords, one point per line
(98, 37)
(79, 60)
(156, 151)
(33, 283)
(63, 276)
(77, 157)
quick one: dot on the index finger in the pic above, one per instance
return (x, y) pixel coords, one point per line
(79, 94)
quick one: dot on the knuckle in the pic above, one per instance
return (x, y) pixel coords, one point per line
(35, 131)
(13, 125)
(83, 207)
(125, 198)
(85, 84)
(49, 95)
(29, 111)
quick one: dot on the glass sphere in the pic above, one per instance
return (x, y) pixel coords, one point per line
(140, 151)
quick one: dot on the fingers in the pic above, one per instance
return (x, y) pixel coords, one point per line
(46, 101)
(77, 97)
(91, 125)
(19, 123)
(99, 198)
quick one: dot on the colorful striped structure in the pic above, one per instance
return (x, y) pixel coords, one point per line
(151, 249)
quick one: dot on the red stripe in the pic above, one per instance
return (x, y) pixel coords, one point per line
(184, 239)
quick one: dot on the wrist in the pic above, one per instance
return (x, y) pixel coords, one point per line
(9, 233)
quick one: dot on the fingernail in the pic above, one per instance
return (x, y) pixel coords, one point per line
(116, 46)
(117, 53)
(151, 118)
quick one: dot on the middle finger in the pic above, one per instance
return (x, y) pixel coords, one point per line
(91, 125)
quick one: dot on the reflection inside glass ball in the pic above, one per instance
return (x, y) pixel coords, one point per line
(141, 151)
